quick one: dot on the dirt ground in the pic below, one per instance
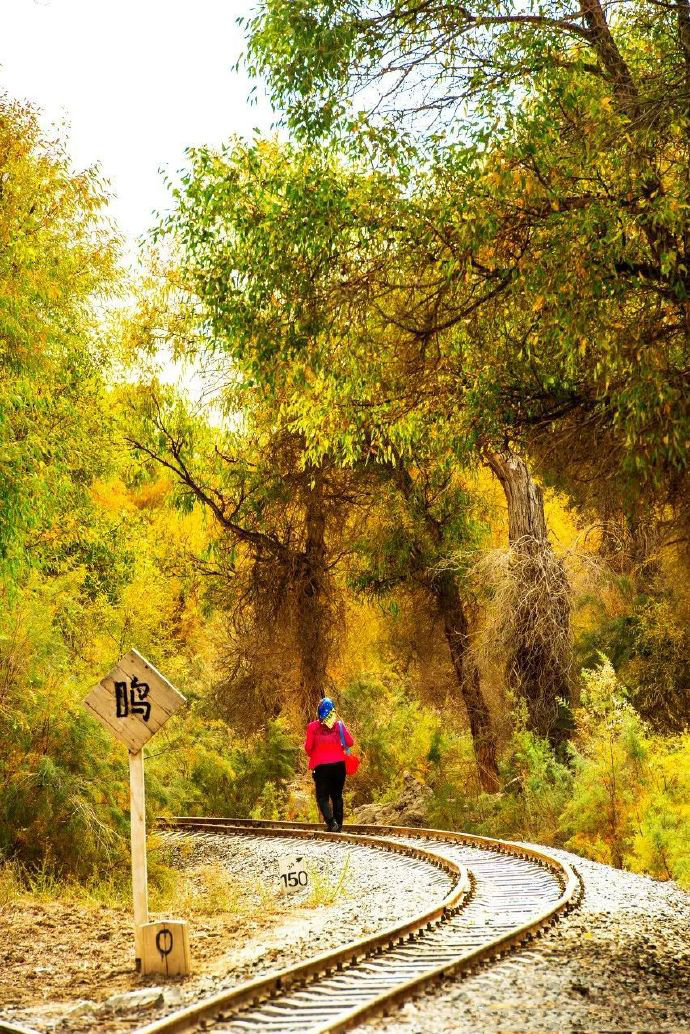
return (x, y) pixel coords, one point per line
(55, 952)
(61, 965)
(67, 967)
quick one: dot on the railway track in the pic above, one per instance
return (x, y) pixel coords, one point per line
(502, 895)
(14, 1028)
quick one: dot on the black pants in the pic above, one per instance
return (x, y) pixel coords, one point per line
(330, 780)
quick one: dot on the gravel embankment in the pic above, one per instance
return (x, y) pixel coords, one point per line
(91, 986)
(619, 962)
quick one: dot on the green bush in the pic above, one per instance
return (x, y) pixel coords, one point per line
(609, 756)
(209, 770)
(393, 731)
(648, 644)
(661, 840)
(64, 782)
(536, 786)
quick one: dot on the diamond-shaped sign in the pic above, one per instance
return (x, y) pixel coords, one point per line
(134, 700)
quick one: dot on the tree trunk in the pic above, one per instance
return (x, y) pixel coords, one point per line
(455, 626)
(538, 664)
(312, 604)
(444, 591)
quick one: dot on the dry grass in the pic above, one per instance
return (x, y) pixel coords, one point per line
(210, 890)
(526, 593)
(205, 890)
(11, 884)
(324, 889)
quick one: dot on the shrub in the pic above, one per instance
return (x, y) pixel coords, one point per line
(209, 770)
(393, 731)
(536, 787)
(661, 842)
(65, 790)
(610, 757)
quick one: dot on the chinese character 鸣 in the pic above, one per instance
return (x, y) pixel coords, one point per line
(135, 703)
(142, 705)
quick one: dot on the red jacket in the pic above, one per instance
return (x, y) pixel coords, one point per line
(323, 745)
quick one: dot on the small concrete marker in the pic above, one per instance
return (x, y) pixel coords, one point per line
(165, 948)
(293, 872)
(134, 701)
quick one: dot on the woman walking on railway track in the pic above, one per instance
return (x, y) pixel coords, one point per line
(326, 743)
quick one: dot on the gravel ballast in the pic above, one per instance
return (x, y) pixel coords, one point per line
(86, 990)
(619, 962)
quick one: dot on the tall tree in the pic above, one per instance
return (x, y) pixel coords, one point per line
(574, 126)
(365, 313)
(284, 518)
(540, 645)
(56, 261)
(427, 520)
(570, 128)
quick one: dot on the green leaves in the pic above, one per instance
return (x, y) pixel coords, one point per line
(56, 265)
(536, 230)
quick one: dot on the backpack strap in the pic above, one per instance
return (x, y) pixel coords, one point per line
(341, 730)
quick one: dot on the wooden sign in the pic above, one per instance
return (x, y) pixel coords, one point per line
(133, 701)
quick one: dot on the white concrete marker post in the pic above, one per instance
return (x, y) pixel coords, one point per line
(134, 701)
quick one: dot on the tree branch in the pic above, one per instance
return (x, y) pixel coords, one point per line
(183, 474)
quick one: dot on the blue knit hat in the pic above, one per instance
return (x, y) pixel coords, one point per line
(324, 709)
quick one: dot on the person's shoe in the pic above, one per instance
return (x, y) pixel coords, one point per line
(340, 827)
(333, 826)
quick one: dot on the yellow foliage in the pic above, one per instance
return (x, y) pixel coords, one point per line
(112, 496)
(152, 495)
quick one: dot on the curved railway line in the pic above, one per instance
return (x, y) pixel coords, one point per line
(502, 894)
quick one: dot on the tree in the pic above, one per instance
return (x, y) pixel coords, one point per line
(571, 129)
(561, 136)
(540, 641)
(420, 63)
(287, 521)
(56, 262)
(428, 518)
(345, 301)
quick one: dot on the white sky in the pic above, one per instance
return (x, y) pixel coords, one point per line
(138, 80)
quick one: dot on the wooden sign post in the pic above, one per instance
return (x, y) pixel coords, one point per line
(134, 701)
(137, 832)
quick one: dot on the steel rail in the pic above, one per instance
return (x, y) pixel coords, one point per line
(15, 1028)
(519, 850)
(260, 988)
(261, 991)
